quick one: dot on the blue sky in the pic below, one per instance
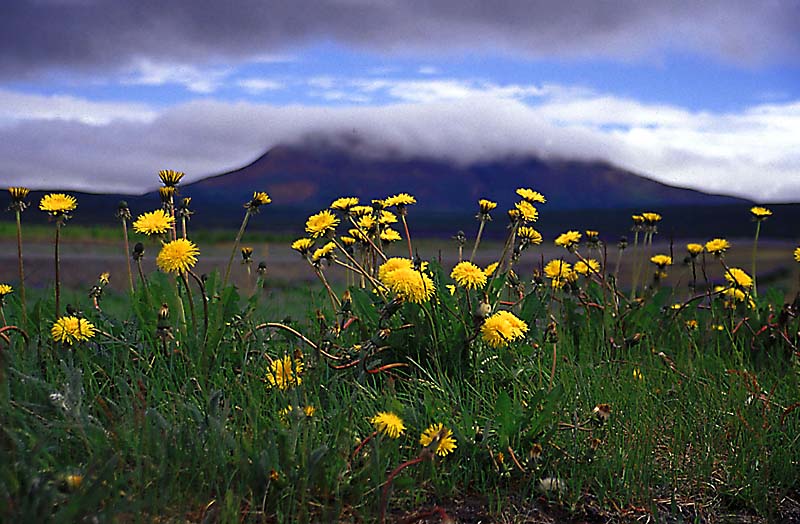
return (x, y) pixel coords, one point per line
(703, 95)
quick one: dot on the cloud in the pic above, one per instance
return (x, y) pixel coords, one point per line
(752, 152)
(93, 35)
(259, 85)
(16, 106)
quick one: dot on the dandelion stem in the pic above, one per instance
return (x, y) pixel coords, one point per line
(755, 253)
(205, 302)
(21, 269)
(189, 297)
(235, 247)
(127, 251)
(408, 235)
(477, 240)
(58, 270)
(636, 258)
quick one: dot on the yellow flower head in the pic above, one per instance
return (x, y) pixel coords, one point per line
(386, 218)
(388, 423)
(592, 235)
(347, 241)
(485, 207)
(303, 245)
(104, 278)
(637, 219)
(169, 177)
(468, 275)
(5, 289)
(70, 329)
(797, 254)
(366, 222)
(732, 295)
(58, 203)
(557, 269)
(527, 212)
(321, 223)
(155, 222)
(568, 239)
(529, 235)
(439, 436)
(324, 252)
(738, 278)
(661, 260)
(393, 264)
(760, 213)
(177, 256)
(717, 246)
(284, 373)
(390, 235)
(18, 194)
(259, 199)
(400, 200)
(531, 196)
(166, 193)
(694, 249)
(588, 267)
(501, 328)
(359, 211)
(490, 269)
(409, 284)
(651, 218)
(344, 204)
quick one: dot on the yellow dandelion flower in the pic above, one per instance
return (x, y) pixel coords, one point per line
(738, 277)
(284, 373)
(393, 264)
(358, 211)
(451, 288)
(347, 241)
(344, 204)
(797, 254)
(717, 246)
(166, 193)
(760, 213)
(557, 269)
(490, 269)
(259, 199)
(587, 267)
(155, 222)
(651, 218)
(321, 223)
(410, 285)
(104, 278)
(694, 249)
(366, 222)
(592, 235)
(485, 207)
(18, 194)
(177, 256)
(324, 252)
(529, 235)
(568, 239)
(5, 289)
(390, 235)
(468, 275)
(387, 217)
(303, 245)
(637, 374)
(531, 196)
(169, 177)
(527, 212)
(691, 325)
(637, 219)
(70, 329)
(439, 436)
(501, 328)
(309, 411)
(661, 260)
(58, 203)
(731, 295)
(400, 200)
(388, 424)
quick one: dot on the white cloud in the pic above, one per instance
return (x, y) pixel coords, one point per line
(753, 152)
(15, 106)
(259, 85)
(194, 79)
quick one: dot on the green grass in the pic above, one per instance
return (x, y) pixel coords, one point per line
(163, 420)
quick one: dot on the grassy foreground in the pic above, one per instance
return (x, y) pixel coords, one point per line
(401, 399)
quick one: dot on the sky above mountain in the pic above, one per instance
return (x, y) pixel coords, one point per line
(100, 95)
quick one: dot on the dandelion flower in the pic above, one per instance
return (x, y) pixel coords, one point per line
(694, 249)
(589, 266)
(651, 218)
(637, 220)
(526, 211)
(321, 223)
(359, 211)
(441, 436)
(18, 194)
(568, 239)
(390, 235)
(410, 285)
(717, 246)
(661, 260)
(5, 289)
(367, 222)
(259, 199)
(177, 256)
(155, 222)
(531, 196)
(501, 328)
(400, 200)
(557, 269)
(70, 329)
(468, 275)
(484, 208)
(303, 245)
(344, 204)
(797, 254)
(738, 278)
(393, 264)
(285, 373)
(58, 203)
(529, 235)
(388, 423)
(387, 217)
(760, 213)
(490, 269)
(169, 177)
(324, 252)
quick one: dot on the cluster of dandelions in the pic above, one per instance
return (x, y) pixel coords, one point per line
(437, 436)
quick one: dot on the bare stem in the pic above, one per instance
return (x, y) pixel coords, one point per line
(127, 251)
(477, 240)
(408, 235)
(58, 271)
(21, 269)
(235, 247)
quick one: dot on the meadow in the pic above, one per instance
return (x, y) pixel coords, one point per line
(362, 375)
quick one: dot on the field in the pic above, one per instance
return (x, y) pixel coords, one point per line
(364, 375)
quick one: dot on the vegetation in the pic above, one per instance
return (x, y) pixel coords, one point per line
(400, 390)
